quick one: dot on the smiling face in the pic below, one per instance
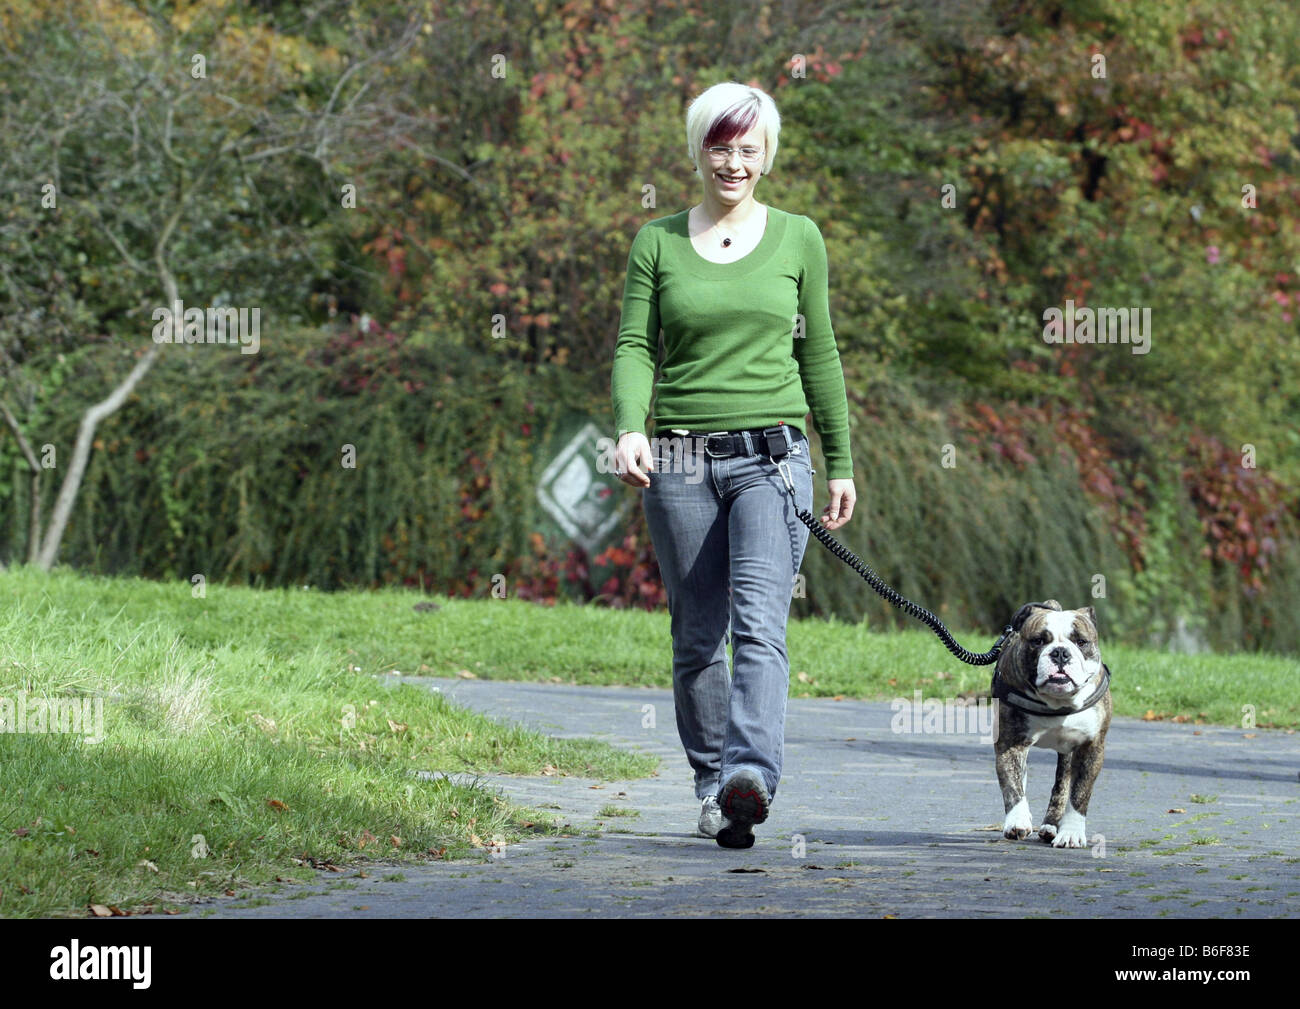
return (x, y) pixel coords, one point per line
(1060, 650)
(719, 176)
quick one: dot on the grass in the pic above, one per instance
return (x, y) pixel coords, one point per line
(517, 640)
(248, 737)
(610, 810)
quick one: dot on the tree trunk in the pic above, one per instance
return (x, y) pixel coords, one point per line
(81, 455)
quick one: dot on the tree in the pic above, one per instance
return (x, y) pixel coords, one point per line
(163, 160)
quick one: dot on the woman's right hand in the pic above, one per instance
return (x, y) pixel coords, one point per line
(632, 459)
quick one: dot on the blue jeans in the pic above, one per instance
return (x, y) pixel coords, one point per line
(729, 546)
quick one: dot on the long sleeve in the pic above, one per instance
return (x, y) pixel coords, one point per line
(820, 370)
(632, 379)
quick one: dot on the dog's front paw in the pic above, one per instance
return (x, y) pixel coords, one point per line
(1047, 832)
(1072, 833)
(1018, 824)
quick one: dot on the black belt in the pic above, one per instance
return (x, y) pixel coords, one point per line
(767, 441)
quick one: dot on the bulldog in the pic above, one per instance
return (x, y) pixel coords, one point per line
(1053, 691)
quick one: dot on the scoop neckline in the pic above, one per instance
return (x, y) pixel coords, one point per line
(756, 256)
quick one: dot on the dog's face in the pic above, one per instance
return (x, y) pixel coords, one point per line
(1059, 652)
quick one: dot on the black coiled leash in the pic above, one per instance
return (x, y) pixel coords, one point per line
(873, 579)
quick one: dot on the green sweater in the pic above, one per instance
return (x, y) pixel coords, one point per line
(731, 357)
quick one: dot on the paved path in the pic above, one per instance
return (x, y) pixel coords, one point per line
(892, 824)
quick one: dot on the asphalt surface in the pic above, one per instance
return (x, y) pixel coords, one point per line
(866, 822)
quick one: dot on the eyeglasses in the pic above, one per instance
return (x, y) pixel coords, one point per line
(749, 154)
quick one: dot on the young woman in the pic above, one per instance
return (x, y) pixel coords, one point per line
(740, 292)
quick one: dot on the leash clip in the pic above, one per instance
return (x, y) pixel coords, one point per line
(784, 468)
(779, 443)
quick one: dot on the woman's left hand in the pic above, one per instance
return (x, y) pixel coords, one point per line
(840, 510)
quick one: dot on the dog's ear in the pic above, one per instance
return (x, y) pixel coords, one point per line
(1022, 614)
(1091, 614)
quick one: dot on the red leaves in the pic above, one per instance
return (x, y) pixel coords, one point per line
(1241, 509)
(627, 573)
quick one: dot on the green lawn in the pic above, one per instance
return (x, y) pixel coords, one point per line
(510, 639)
(245, 735)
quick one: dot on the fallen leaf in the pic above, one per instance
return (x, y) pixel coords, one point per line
(747, 870)
(21, 832)
(465, 674)
(1177, 809)
(454, 813)
(147, 864)
(1249, 735)
(230, 893)
(277, 805)
(100, 911)
(118, 912)
(395, 841)
(365, 838)
(549, 770)
(396, 726)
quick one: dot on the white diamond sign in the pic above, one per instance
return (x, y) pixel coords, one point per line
(584, 502)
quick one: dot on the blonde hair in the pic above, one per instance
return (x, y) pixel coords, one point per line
(730, 110)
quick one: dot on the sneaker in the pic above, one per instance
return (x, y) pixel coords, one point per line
(744, 801)
(710, 816)
(735, 834)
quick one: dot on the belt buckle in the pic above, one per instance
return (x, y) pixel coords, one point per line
(708, 451)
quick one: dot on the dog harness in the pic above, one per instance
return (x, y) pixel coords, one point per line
(1004, 693)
